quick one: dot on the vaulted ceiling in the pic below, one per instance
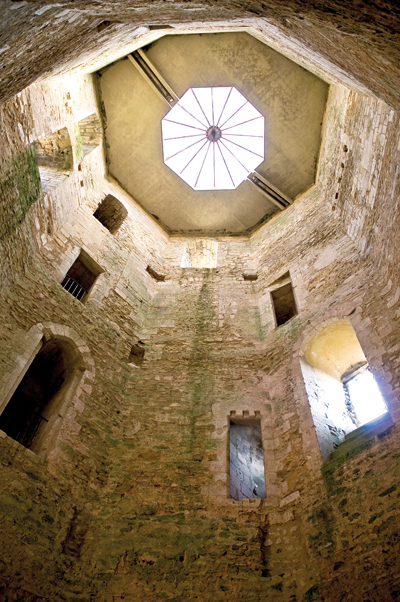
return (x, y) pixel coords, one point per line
(292, 100)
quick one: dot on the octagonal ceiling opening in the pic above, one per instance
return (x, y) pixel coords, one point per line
(213, 138)
(292, 100)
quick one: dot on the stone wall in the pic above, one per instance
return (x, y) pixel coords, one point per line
(130, 498)
(350, 42)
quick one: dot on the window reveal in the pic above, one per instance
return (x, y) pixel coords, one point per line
(246, 461)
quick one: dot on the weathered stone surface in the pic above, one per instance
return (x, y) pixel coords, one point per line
(130, 498)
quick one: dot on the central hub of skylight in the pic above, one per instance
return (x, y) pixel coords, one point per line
(213, 138)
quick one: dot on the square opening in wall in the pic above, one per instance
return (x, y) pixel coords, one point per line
(111, 213)
(284, 303)
(81, 276)
(247, 479)
(136, 355)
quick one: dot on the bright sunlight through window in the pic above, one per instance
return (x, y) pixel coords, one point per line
(366, 397)
(213, 138)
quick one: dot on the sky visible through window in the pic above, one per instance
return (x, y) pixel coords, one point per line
(213, 138)
(366, 397)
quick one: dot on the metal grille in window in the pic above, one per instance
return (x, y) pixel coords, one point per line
(73, 287)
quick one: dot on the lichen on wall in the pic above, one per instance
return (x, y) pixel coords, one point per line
(19, 189)
(132, 501)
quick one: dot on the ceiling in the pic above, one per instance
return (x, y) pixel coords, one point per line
(292, 100)
(335, 349)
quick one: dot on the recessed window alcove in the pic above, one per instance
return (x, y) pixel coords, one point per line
(246, 459)
(111, 213)
(91, 133)
(341, 388)
(136, 356)
(283, 300)
(34, 413)
(54, 158)
(81, 276)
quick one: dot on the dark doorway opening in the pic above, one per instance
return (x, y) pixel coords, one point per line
(29, 408)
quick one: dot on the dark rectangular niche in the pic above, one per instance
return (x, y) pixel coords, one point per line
(136, 355)
(111, 213)
(284, 303)
(155, 275)
(247, 479)
(81, 276)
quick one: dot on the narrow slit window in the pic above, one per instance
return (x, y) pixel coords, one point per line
(247, 479)
(284, 303)
(81, 276)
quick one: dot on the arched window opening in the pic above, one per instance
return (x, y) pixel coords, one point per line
(81, 276)
(36, 405)
(341, 388)
(111, 213)
(247, 479)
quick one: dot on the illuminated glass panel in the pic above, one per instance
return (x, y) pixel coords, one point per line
(213, 138)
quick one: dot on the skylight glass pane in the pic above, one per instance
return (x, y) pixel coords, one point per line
(213, 138)
(236, 102)
(224, 181)
(204, 99)
(219, 99)
(189, 105)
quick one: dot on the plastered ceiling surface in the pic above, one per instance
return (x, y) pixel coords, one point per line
(335, 349)
(292, 100)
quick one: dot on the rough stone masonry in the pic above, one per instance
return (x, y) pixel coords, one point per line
(125, 493)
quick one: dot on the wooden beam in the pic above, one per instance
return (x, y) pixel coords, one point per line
(273, 194)
(146, 68)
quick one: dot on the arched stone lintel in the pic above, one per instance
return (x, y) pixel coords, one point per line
(373, 348)
(81, 362)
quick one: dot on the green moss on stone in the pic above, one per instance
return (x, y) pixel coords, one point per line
(277, 587)
(323, 521)
(68, 450)
(311, 594)
(19, 189)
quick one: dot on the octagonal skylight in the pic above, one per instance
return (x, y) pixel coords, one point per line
(213, 138)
